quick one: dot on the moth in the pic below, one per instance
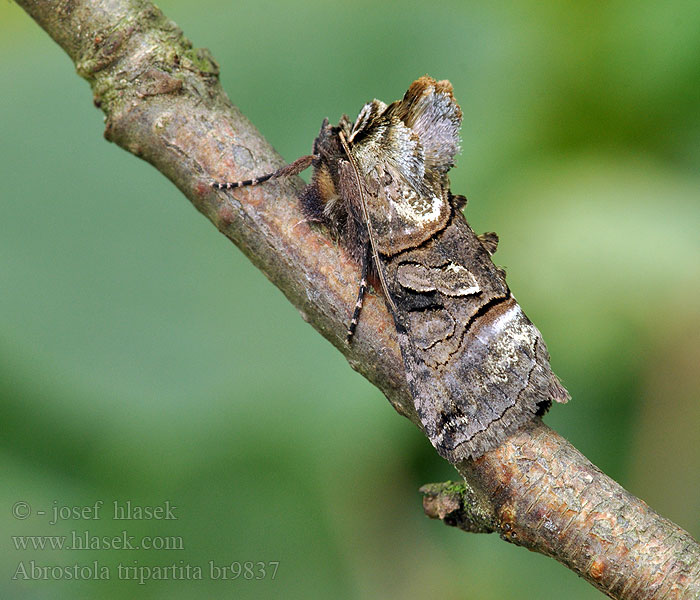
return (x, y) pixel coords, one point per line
(477, 368)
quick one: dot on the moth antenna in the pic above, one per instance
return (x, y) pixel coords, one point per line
(294, 168)
(360, 294)
(370, 232)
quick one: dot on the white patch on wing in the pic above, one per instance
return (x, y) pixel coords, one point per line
(500, 323)
(505, 337)
(426, 212)
(473, 288)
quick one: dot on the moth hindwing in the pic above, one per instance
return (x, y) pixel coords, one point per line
(476, 366)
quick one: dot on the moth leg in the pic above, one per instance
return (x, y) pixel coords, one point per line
(299, 165)
(366, 257)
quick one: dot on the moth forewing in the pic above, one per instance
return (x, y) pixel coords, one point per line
(477, 368)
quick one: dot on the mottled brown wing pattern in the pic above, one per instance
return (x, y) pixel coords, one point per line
(477, 367)
(403, 152)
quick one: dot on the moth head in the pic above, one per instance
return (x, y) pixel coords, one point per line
(322, 198)
(327, 145)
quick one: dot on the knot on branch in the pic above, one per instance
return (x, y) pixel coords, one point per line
(458, 505)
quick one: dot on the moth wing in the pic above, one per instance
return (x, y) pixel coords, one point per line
(405, 204)
(430, 110)
(476, 400)
(477, 368)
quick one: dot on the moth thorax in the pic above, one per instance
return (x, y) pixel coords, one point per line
(327, 191)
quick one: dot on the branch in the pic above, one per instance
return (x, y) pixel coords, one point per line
(163, 103)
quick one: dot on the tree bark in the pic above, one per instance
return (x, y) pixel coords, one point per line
(163, 103)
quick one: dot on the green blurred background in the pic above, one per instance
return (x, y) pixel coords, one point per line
(144, 358)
